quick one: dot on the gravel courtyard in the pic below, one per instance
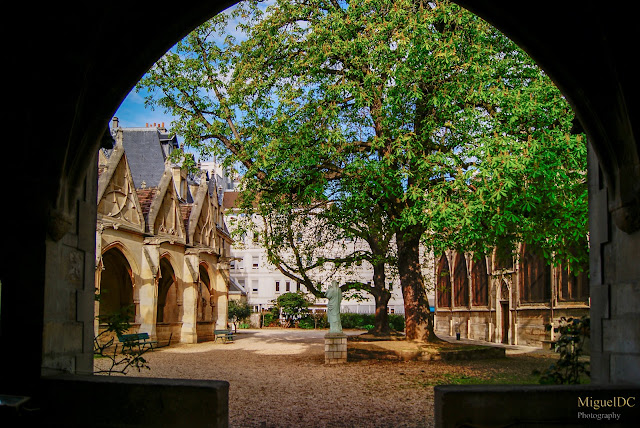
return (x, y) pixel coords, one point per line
(278, 379)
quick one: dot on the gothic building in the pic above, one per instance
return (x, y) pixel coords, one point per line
(162, 246)
(508, 300)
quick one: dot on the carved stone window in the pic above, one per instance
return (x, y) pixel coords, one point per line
(443, 283)
(460, 281)
(480, 283)
(535, 277)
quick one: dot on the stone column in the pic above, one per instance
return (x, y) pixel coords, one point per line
(335, 348)
(222, 300)
(148, 291)
(189, 300)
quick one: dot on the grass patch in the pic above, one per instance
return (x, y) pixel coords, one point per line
(496, 379)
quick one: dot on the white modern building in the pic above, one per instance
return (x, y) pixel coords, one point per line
(262, 282)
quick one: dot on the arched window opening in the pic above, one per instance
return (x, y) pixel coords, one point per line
(443, 283)
(535, 277)
(460, 282)
(480, 283)
(167, 294)
(573, 285)
(116, 286)
(204, 296)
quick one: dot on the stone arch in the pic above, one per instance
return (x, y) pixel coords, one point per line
(443, 283)
(116, 283)
(534, 276)
(599, 36)
(479, 282)
(460, 281)
(167, 307)
(205, 294)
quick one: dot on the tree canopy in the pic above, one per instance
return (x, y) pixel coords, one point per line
(418, 111)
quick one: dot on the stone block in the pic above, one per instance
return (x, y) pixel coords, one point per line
(70, 401)
(625, 300)
(621, 335)
(625, 369)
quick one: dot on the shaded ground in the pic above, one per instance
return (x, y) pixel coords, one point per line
(278, 379)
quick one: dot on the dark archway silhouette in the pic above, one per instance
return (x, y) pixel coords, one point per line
(68, 68)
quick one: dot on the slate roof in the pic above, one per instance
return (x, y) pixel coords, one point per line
(235, 288)
(147, 149)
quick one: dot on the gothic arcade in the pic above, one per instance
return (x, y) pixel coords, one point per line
(162, 246)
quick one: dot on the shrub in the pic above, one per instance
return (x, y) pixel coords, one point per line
(569, 369)
(396, 322)
(311, 321)
(269, 319)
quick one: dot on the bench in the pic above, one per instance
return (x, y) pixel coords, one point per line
(224, 335)
(140, 340)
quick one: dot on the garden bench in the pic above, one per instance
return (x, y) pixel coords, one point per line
(224, 335)
(141, 340)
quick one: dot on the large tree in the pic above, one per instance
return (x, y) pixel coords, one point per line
(418, 110)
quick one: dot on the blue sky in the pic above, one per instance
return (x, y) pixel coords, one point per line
(132, 112)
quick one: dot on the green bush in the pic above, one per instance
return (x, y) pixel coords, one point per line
(570, 369)
(270, 319)
(396, 322)
(311, 321)
(351, 320)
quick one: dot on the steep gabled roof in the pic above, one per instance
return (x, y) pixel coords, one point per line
(147, 150)
(117, 199)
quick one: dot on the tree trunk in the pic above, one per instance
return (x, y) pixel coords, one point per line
(417, 313)
(381, 296)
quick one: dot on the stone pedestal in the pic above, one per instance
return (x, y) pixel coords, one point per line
(335, 348)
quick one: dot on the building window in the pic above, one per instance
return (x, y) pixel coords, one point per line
(277, 286)
(254, 286)
(460, 281)
(535, 277)
(573, 286)
(255, 262)
(287, 286)
(443, 284)
(232, 264)
(480, 283)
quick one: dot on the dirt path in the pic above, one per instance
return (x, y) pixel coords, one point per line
(278, 379)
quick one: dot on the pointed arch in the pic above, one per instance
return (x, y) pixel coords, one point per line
(167, 308)
(480, 282)
(205, 301)
(460, 281)
(443, 283)
(116, 284)
(534, 276)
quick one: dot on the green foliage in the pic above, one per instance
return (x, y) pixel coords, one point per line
(413, 119)
(349, 320)
(353, 320)
(293, 306)
(572, 367)
(238, 310)
(269, 319)
(396, 322)
(117, 323)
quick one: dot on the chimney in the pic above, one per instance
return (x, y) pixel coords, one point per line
(115, 123)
